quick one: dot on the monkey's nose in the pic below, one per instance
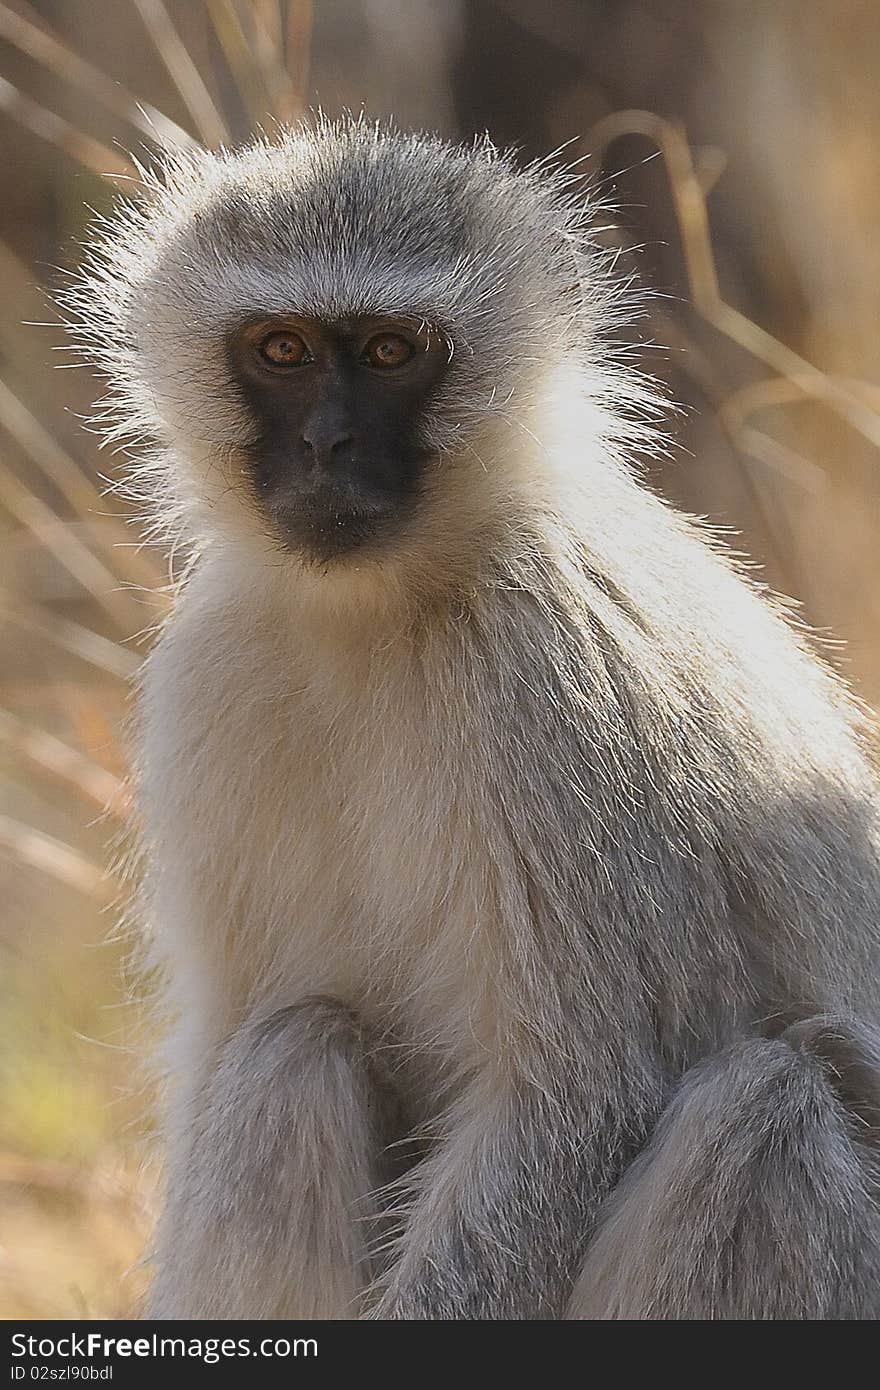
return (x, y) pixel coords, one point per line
(328, 445)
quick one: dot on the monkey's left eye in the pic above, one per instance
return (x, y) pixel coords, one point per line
(387, 351)
(283, 349)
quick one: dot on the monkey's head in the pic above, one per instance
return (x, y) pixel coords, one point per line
(334, 339)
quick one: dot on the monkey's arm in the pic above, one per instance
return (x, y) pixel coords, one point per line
(502, 1211)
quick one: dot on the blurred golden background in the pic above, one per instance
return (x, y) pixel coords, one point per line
(738, 140)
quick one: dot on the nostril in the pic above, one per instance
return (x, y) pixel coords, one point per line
(326, 445)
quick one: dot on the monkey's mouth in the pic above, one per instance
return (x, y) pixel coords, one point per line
(328, 522)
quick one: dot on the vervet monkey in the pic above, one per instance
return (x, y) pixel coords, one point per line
(514, 866)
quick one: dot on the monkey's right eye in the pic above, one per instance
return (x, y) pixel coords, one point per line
(284, 349)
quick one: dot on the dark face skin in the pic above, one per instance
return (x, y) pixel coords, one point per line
(337, 461)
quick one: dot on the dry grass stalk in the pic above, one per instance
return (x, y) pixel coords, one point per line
(93, 648)
(40, 121)
(33, 37)
(59, 861)
(693, 222)
(63, 542)
(183, 72)
(68, 766)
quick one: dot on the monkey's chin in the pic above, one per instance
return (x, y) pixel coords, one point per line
(334, 528)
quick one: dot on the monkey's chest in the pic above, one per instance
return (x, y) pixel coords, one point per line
(352, 868)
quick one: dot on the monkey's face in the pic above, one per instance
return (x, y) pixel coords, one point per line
(337, 455)
(340, 342)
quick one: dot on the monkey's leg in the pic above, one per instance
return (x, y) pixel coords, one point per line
(500, 1212)
(758, 1195)
(269, 1203)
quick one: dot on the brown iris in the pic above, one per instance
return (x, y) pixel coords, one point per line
(284, 349)
(387, 351)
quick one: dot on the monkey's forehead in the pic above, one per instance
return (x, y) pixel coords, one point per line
(371, 189)
(352, 221)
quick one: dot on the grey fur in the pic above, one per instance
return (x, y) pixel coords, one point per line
(547, 793)
(757, 1197)
(320, 1138)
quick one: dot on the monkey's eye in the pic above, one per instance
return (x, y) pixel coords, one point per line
(387, 351)
(284, 349)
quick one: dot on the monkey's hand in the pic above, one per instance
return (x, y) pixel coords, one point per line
(501, 1212)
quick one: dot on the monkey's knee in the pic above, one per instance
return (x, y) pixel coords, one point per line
(758, 1195)
(271, 1190)
(320, 1031)
(292, 1098)
(849, 1054)
(275, 1071)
